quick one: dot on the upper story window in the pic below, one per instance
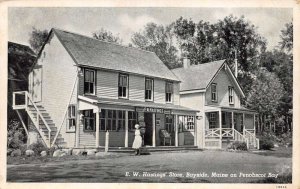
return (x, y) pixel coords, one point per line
(89, 81)
(230, 93)
(123, 86)
(149, 89)
(71, 123)
(169, 91)
(214, 92)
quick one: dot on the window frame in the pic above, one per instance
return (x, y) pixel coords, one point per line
(112, 119)
(93, 117)
(210, 121)
(231, 95)
(169, 126)
(84, 81)
(186, 123)
(169, 94)
(152, 89)
(127, 86)
(70, 116)
(214, 92)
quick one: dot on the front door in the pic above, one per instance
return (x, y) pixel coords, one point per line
(149, 129)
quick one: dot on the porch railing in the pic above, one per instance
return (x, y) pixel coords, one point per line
(227, 132)
(213, 133)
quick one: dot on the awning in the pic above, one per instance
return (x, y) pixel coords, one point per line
(229, 109)
(134, 103)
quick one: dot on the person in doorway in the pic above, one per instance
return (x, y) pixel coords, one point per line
(137, 143)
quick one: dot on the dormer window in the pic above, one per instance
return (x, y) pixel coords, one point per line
(214, 92)
(89, 81)
(148, 89)
(169, 91)
(230, 95)
(123, 86)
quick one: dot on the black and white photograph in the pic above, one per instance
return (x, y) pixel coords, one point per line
(150, 94)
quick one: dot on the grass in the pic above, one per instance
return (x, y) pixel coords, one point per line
(277, 152)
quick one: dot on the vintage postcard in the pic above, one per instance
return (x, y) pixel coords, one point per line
(149, 94)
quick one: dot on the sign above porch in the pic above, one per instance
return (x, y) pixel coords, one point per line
(153, 110)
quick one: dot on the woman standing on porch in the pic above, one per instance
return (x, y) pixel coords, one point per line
(137, 143)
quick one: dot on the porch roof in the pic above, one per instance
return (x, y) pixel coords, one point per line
(133, 103)
(231, 109)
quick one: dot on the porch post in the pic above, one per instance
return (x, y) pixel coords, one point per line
(126, 129)
(232, 120)
(97, 128)
(220, 123)
(195, 131)
(153, 130)
(243, 123)
(254, 126)
(176, 129)
(78, 125)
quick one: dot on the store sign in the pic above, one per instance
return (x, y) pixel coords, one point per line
(153, 110)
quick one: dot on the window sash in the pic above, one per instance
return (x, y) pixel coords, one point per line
(214, 92)
(212, 120)
(89, 81)
(123, 80)
(169, 87)
(89, 120)
(230, 92)
(149, 84)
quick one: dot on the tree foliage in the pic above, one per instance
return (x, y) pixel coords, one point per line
(158, 39)
(37, 38)
(286, 36)
(108, 36)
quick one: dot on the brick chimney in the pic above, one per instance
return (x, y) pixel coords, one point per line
(186, 62)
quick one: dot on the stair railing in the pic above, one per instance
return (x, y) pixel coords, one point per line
(38, 116)
(253, 140)
(239, 137)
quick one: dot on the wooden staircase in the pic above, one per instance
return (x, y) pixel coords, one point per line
(40, 118)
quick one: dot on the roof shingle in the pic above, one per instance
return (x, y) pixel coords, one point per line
(91, 52)
(197, 76)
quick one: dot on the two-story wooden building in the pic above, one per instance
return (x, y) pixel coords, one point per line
(213, 89)
(81, 87)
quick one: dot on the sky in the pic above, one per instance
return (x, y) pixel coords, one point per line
(126, 21)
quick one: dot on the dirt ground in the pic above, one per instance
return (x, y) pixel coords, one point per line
(191, 166)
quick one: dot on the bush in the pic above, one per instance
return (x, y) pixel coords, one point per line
(38, 147)
(266, 144)
(15, 135)
(237, 145)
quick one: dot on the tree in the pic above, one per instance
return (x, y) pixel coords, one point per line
(105, 35)
(205, 42)
(158, 39)
(265, 95)
(37, 38)
(286, 36)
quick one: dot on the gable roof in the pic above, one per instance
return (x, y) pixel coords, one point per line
(198, 77)
(90, 52)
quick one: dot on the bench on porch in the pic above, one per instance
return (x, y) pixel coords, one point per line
(165, 137)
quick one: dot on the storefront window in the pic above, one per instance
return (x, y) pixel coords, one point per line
(131, 120)
(186, 123)
(89, 120)
(112, 120)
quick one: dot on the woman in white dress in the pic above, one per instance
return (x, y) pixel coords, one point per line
(137, 143)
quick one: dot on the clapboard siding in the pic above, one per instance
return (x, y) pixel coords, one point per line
(159, 91)
(136, 88)
(107, 84)
(116, 139)
(58, 81)
(86, 139)
(176, 94)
